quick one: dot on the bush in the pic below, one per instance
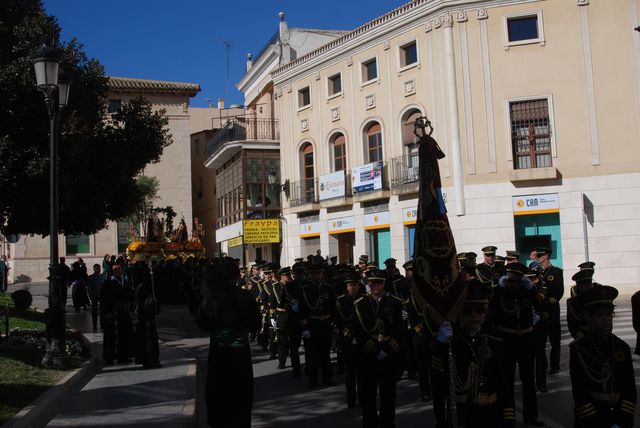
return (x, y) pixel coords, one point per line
(21, 300)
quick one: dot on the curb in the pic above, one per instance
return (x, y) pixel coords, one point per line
(30, 415)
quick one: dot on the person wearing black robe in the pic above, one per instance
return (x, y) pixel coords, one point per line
(146, 333)
(229, 313)
(115, 318)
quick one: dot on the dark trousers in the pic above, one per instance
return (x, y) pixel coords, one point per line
(283, 347)
(540, 332)
(95, 310)
(273, 346)
(294, 340)
(320, 344)
(118, 336)
(374, 375)
(554, 337)
(422, 358)
(520, 350)
(350, 360)
(147, 347)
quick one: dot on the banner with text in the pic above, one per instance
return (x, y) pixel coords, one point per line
(536, 204)
(310, 230)
(409, 215)
(341, 225)
(332, 185)
(367, 177)
(261, 231)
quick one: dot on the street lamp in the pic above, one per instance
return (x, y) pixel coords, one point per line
(55, 87)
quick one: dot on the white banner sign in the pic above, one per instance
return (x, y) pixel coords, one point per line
(409, 215)
(367, 177)
(332, 185)
(376, 220)
(341, 225)
(310, 230)
(536, 204)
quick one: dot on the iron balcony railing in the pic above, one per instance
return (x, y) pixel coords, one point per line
(404, 169)
(244, 129)
(303, 192)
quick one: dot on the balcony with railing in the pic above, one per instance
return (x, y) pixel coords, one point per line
(302, 192)
(405, 173)
(241, 129)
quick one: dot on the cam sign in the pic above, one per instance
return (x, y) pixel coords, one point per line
(536, 204)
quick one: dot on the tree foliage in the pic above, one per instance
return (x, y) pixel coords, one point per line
(100, 155)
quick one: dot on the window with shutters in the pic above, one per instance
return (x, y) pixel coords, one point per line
(530, 133)
(373, 134)
(339, 152)
(308, 172)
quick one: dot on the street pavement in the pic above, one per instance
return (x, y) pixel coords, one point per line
(127, 395)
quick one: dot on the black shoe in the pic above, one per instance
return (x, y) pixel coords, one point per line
(426, 398)
(124, 360)
(281, 366)
(554, 371)
(533, 423)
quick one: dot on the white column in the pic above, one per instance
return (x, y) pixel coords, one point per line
(452, 101)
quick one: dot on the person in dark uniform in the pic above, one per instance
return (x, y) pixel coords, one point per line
(576, 316)
(552, 277)
(602, 376)
(512, 316)
(390, 267)
(146, 329)
(378, 333)
(479, 379)
(316, 309)
(115, 318)
(229, 313)
(486, 272)
(270, 308)
(635, 316)
(345, 318)
(281, 308)
(292, 297)
(541, 307)
(512, 257)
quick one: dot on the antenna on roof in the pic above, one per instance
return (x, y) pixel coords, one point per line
(227, 46)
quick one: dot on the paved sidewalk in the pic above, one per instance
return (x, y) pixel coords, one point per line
(124, 394)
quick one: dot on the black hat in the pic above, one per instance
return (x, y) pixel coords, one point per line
(583, 276)
(268, 268)
(461, 256)
(471, 255)
(363, 258)
(315, 268)
(489, 250)
(499, 259)
(299, 267)
(533, 272)
(284, 271)
(513, 255)
(343, 267)
(298, 259)
(587, 266)
(408, 265)
(477, 295)
(603, 295)
(541, 251)
(467, 266)
(333, 258)
(517, 268)
(390, 261)
(352, 277)
(376, 275)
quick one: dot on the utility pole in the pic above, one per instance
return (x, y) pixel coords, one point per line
(227, 46)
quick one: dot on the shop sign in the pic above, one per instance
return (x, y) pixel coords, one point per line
(409, 216)
(261, 231)
(536, 204)
(379, 220)
(341, 225)
(367, 177)
(310, 230)
(332, 185)
(235, 242)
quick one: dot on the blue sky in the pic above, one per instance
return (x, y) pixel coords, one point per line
(180, 40)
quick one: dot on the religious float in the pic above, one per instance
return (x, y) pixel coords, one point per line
(169, 245)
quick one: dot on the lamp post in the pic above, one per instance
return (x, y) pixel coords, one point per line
(55, 86)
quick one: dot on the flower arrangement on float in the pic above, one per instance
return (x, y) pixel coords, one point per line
(156, 246)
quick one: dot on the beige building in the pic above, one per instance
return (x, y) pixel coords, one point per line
(29, 257)
(536, 104)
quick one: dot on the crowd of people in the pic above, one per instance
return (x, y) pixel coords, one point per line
(381, 328)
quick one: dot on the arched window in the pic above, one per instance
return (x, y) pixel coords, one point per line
(339, 152)
(409, 144)
(308, 173)
(374, 142)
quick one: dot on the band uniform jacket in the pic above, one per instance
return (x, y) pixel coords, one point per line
(488, 275)
(603, 381)
(635, 309)
(379, 326)
(279, 306)
(425, 329)
(479, 377)
(577, 322)
(552, 278)
(345, 318)
(316, 303)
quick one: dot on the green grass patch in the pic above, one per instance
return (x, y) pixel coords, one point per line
(22, 380)
(29, 319)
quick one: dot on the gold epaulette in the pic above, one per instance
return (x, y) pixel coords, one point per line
(628, 407)
(394, 344)
(509, 413)
(585, 411)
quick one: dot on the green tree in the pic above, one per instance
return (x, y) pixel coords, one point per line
(100, 156)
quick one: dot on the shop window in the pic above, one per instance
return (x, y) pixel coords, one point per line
(77, 244)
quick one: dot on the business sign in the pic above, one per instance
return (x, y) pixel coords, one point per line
(409, 216)
(332, 185)
(265, 231)
(341, 225)
(234, 242)
(367, 177)
(310, 230)
(378, 220)
(536, 204)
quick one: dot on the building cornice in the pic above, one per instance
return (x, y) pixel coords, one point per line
(396, 20)
(260, 68)
(132, 85)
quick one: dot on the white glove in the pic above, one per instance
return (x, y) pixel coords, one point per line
(536, 318)
(354, 341)
(306, 334)
(445, 332)
(273, 322)
(405, 315)
(381, 355)
(295, 308)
